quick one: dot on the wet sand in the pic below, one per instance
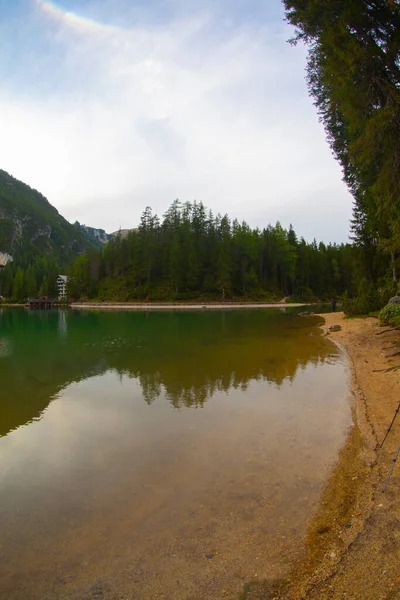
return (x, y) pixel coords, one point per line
(354, 539)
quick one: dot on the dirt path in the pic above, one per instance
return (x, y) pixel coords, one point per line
(354, 540)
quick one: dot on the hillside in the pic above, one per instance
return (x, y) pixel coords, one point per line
(96, 237)
(30, 226)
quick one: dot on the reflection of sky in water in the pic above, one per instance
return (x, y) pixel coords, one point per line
(184, 359)
(102, 423)
(130, 440)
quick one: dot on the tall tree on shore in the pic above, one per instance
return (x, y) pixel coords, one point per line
(353, 75)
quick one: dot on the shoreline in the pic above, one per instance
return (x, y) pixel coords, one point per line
(183, 306)
(352, 550)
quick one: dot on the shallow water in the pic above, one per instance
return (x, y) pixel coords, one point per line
(171, 455)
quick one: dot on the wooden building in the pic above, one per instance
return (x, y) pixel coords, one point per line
(41, 302)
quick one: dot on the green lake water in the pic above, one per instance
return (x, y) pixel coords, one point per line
(163, 455)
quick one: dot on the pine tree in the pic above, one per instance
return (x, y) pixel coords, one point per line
(18, 285)
(354, 77)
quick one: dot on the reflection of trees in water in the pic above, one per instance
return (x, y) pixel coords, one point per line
(151, 386)
(190, 393)
(38, 366)
(184, 358)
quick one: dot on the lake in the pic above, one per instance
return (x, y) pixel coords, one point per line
(167, 456)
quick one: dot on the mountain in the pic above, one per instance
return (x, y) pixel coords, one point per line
(96, 237)
(30, 226)
(122, 232)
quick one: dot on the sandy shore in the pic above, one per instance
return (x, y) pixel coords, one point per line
(177, 306)
(354, 540)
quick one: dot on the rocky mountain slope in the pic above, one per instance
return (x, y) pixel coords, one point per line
(97, 237)
(31, 226)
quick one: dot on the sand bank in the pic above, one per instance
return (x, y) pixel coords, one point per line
(354, 540)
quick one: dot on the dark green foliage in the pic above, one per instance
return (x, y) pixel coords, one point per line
(354, 77)
(96, 238)
(367, 300)
(6, 234)
(192, 255)
(18, 285)
(387, 289)
(30, 226)
(39, 278)
(41, 242)
(390, 313)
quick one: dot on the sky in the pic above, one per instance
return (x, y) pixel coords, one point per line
(109, 106)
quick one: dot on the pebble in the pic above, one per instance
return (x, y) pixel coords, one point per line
(210, 555)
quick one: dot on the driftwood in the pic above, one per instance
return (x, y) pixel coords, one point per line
(387, 331)
(394, 354)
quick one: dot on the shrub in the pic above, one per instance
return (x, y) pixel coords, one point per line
(367, 300)
(387, 290)
(390, 313)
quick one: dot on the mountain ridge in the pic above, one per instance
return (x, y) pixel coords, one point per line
(31, 226)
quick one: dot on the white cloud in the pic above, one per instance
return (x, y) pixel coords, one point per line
(145, 115)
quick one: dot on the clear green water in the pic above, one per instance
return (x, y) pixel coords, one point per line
(134, 444)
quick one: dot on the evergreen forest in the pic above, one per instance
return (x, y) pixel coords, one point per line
(193, 255)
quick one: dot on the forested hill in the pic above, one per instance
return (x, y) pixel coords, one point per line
(30, 227)
(193, 254)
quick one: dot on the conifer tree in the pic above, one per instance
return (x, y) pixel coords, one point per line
(353, 75)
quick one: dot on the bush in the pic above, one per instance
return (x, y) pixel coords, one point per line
(387, 290)
(390, 313)
(367, 300)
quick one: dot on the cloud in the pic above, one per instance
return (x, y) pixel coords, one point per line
(192, 107)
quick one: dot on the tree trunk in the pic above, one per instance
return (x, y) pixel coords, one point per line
(395, 268)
